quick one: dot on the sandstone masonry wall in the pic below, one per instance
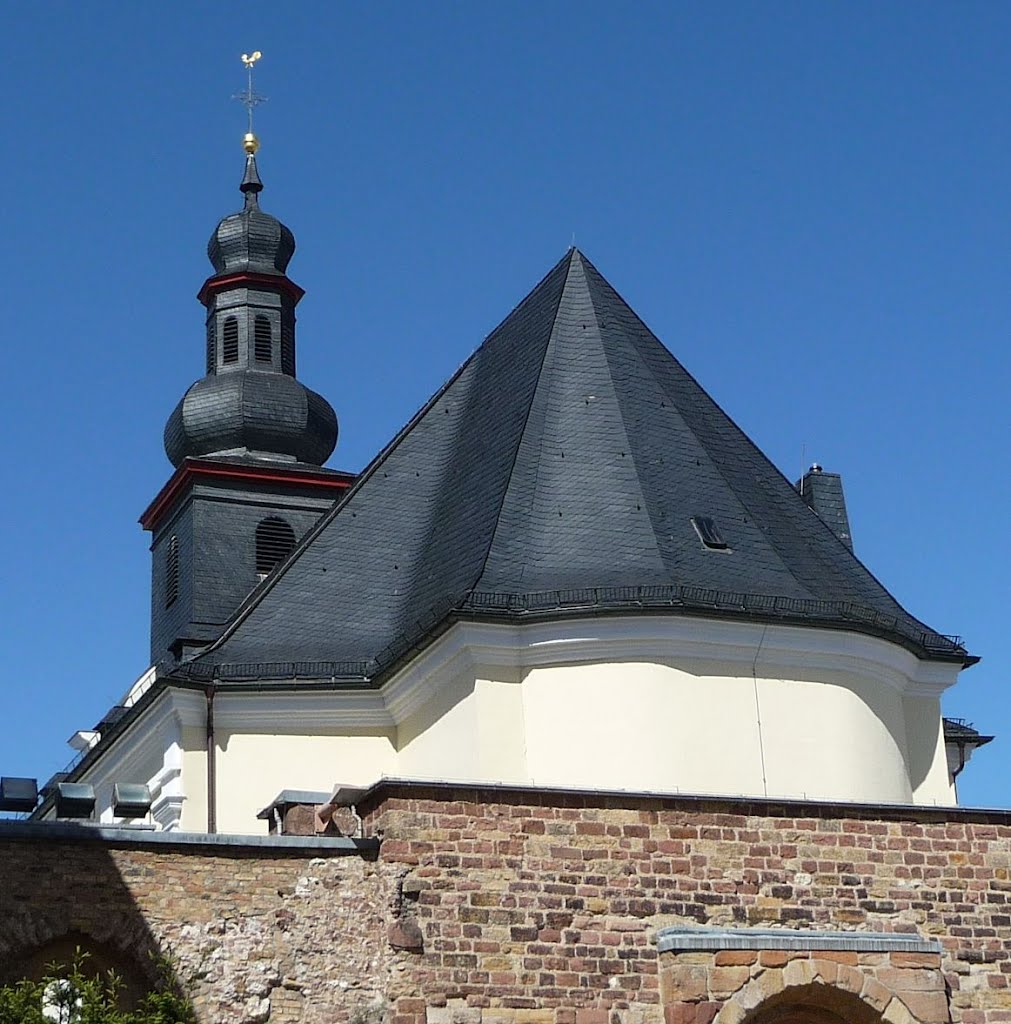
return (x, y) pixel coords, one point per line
(544, 907)
(255, 935)
(524, 907)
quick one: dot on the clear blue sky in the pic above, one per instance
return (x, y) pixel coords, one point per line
(809, 204)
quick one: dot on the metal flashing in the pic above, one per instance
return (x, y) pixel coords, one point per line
(680, 939)
(48, 830)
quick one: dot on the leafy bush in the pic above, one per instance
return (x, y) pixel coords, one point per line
(70, 995)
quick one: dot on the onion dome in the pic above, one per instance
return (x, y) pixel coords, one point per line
(250, 403)
(262, 415)
(250, 239)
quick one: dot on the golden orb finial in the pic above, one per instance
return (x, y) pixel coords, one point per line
(250, 143)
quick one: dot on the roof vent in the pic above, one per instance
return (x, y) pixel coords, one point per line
(709, 533)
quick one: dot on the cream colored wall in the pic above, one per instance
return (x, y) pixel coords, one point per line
(194, 816)
(670, 705)
(928, 763)
(632, 725)
(659, 727)
(841, 739)
(252, 768)
(472, 729)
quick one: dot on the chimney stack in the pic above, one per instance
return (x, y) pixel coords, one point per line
(824, 493)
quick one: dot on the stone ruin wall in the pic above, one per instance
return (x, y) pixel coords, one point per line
(510, 907)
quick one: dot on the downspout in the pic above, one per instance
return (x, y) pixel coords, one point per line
(958, 771)
(212, 810)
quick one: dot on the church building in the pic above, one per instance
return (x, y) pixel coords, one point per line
(570, 568)
(569, 709)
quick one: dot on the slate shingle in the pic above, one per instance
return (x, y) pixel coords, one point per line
(556, 473)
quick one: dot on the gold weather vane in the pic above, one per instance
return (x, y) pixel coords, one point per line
(250, 100)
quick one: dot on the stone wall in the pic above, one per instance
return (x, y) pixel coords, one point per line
(544, 907)
(728, 986)
(254, 933)
(525, 907)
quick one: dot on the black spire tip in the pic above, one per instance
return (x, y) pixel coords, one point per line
(251, 184)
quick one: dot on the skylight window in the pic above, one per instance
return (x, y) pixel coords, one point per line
(709, 533)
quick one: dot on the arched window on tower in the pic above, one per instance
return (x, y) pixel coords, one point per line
(275, 540)
(210, 348)
(172, 571)
(230, 341)
(262, 339)
(287, 349)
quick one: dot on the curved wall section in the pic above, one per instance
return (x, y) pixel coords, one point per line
(658, 727)
(644, 704)
(676, 705)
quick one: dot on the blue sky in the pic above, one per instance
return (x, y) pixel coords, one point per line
(808, 203)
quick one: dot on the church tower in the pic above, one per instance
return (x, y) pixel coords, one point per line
(248, 439)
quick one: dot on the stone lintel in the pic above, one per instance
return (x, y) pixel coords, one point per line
(685, 939)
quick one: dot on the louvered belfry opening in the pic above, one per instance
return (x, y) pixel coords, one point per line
(262, 339)
(210, 348)
(172, 571)
(230, 341)
(274, 541)
(287, 348)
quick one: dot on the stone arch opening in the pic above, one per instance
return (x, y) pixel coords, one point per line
(813, 1004)
(101, 957)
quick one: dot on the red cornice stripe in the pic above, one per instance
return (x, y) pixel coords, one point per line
(216, 284)
(190, 469)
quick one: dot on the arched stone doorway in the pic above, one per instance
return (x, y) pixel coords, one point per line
(813, 1004)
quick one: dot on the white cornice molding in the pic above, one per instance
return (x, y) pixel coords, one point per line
(157, 728)
(301, 713)
(714, 646)
(710, 646)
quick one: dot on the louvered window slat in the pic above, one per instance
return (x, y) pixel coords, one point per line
(230, 341)
(274, 541)
(262, 339)
(172, 572)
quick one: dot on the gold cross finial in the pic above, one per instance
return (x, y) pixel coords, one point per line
(250, 100)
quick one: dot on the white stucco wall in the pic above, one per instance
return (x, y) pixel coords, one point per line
(658, 727)
(252, 768)
(648, 704)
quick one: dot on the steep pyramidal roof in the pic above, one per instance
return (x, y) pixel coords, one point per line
(557, 473)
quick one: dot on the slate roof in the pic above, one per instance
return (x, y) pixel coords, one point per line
(556, 473)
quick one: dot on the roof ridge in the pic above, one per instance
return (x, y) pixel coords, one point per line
(258, 593)
(717, 467)
(756, 520)
(571, 254)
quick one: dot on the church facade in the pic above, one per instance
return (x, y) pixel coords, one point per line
(569, 709)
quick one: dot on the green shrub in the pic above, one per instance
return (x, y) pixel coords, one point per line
(70, 995)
